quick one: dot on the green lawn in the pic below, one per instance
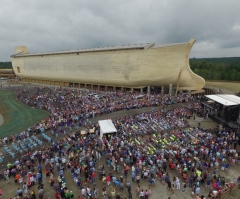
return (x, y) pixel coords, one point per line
(17, 115)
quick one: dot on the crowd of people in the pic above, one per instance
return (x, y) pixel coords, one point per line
(70, 107)
(151, 147)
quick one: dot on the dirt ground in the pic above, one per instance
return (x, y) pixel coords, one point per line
(158, 192)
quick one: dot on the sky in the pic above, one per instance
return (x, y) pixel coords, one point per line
(53, 25)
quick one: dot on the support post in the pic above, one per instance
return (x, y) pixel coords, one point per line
(162, 90)
(179, 76)
(141, 90)
(170, 89)
(131, 90)
(148, 90)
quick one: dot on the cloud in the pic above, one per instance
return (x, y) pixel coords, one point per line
(236, 27)
(44, 25)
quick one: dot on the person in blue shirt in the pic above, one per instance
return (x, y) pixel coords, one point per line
(39, 168)
(114, 179)
(79, 183)
(61, 172)
(108, 162)
(19, 192)
(52, 160)
(137, 171)
(133, 176)
(91, 163)
(39, 177)
(57, 165)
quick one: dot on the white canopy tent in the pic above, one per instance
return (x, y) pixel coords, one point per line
(106, 126)
(226, 100)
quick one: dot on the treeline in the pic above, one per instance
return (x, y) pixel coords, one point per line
(4, 65)
(217, 68)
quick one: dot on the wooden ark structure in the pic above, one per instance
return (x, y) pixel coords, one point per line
(126, 66)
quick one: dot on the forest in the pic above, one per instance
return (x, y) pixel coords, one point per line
(227, 69)
(4, 65)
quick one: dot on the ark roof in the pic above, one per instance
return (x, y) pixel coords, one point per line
(107, 48)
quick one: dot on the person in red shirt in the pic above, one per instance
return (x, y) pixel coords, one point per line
(79, 197)
(57, 195)
(93, 177)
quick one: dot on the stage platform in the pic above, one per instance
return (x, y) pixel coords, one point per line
(222, 120)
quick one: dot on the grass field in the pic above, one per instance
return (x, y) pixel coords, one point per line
(232, 86)
(17, 115)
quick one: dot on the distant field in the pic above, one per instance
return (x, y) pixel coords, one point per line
(17, 115)
(232, 86)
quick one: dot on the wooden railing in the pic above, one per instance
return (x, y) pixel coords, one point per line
(227, 191)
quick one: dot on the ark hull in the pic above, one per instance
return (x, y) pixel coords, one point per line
(151, 66)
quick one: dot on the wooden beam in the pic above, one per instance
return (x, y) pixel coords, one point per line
(179, 75)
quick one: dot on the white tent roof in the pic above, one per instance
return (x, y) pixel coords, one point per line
(226, 100)
(107, 126)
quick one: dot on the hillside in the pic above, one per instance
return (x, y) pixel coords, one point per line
(226, 68)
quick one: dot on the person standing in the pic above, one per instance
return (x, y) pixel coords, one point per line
(146, 194)
(6, 177)
(113, 192)
(33, 196)
(172, 188)
(197, 190)
(25, 188)
(84, 192)
(178, 184)
(141, 194)
(57, 195)
(133, 176)
(184, 186)
(130, 195)
(40, 193)
(169, 185)
(199, 123)
(138, 190)
(19, 192)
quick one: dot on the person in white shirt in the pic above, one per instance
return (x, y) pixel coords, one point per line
(88, 190)
(32, 180)
(141, 194)
(84, 192)
(20, 181)
(133, 168)
(177, 183)
(215, 192)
